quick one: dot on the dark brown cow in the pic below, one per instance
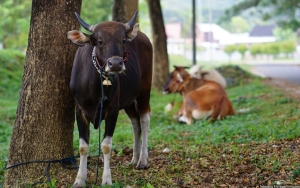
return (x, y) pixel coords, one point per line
(124, 56)
(201, 98)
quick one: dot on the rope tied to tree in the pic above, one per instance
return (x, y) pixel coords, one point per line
(71, 160)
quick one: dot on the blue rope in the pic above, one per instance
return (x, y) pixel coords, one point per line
(63, 162)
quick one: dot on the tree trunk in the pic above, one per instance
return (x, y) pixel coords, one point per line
(119, 11)
(43, 129)
(130, 7)
(160, 59)
(124, 10)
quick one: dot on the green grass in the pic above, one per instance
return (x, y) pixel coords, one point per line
(270, 116)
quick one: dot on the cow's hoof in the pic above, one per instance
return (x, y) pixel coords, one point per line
(77, 185)
(106, 182)
(142, 165)
(139, 167)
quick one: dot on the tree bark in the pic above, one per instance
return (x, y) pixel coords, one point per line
(124, 10)
(43, 129)
(119, 11)
(160, 57)
(130, 7)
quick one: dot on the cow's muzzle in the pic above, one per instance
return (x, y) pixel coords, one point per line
(115, 64)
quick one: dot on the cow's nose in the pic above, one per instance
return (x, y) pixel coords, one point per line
(115, 64)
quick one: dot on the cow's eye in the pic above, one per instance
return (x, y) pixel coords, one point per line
(124, 41)
(100, 42)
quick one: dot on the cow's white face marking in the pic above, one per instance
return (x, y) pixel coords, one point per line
(106, 149)
(107, 69)
(179, 77)
(82, 172)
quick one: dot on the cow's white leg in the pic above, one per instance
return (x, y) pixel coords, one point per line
(145, 122)
(137, 140)
(106, 149)
(82, 172)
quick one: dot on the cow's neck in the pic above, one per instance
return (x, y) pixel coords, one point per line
(193, 84)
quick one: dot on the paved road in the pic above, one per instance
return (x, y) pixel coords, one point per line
(290, 73)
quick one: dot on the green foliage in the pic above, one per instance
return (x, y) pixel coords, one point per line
(15, 16)
(11, 69)
(283, 34)
(256, 49)
(271, 49)
(296, 174)
(15, 19)
(238, 25)
(287, 47)
(52, 183)
(144, 20)
(242, 48)
(229, 49)
(284, 12)
(96, 11)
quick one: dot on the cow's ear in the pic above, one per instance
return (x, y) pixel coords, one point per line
(78, 37)
(131, 34)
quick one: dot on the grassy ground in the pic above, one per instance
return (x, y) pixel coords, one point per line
(257, 147)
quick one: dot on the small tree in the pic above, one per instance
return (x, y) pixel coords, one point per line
(256, 49)
(160, 58)
(271, 49)
(287, 48)
(242, 49)
(229, 50)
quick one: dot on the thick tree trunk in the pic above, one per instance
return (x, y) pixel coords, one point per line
(118, 14)
(124, 10)
(43, 129)
(160, 59)
(130, 7)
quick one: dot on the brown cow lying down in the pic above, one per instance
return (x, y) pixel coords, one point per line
(208, 100)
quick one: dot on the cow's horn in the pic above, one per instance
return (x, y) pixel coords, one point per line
(85, 25)
(132, 21)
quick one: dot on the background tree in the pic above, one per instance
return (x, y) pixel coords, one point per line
(242, 48)
(229, 49)
(160, 59)
(238, 25)
(284, 34)
(287, 47)
(96, 11)
(255, 50)
(43, 129)
(124, 10)
(271, 49)
(14, 23)
(285, 12)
